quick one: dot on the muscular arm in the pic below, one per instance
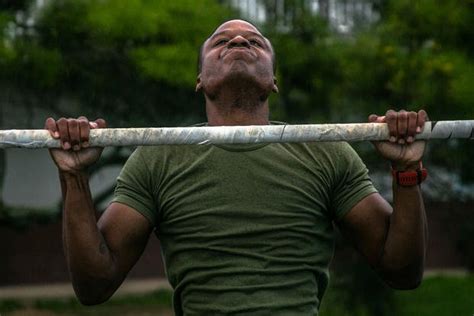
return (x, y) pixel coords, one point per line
(99, 254)
(393, 240)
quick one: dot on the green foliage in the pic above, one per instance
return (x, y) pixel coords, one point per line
(448, 22)
(133, 62)
(118, 20)
(304, 78)
(141, 34)
(172, 56)
(437, 295)
(14, 5)
(10, 306)
(7, 53)
(167, 62)
(419, 55)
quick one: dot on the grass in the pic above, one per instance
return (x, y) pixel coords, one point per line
(154, 303)
(439, 295)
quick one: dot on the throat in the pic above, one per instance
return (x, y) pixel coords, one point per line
(235, 117)
(237, 101)
(239, 108)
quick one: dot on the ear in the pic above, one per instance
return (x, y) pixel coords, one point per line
(275, 87)
(198, 83)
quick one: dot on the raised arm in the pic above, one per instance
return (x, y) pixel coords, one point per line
(394, 239)
(99, 254)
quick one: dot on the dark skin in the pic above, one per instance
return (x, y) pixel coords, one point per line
(99, 254)
(236, 79)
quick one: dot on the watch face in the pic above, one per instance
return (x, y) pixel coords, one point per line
(410, 178)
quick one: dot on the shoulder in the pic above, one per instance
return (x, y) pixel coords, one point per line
(337, 158)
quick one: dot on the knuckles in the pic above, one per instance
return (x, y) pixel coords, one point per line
(72, 131)
(403, 125)
(402, 115)
(391, 116)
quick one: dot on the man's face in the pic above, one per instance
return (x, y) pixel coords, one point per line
(236, 51)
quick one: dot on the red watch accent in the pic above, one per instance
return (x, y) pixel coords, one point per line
(410, 178)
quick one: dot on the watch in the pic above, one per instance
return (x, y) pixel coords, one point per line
(410, 178)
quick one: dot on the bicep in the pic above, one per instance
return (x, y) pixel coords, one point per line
(366, 224)
(126, 233)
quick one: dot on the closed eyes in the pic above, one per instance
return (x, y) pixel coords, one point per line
(253, 42)
(221, 42)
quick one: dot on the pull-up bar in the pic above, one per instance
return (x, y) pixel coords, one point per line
(237, 134)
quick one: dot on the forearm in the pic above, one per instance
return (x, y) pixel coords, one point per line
(91, 264)
(403, 254)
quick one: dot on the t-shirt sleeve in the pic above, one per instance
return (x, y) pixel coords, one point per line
(352, 181)
(134, 187)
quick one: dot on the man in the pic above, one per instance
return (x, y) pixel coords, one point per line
(244, 229)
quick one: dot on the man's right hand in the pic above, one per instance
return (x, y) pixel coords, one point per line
(75, 154)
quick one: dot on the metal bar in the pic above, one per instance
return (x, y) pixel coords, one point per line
(237, 134)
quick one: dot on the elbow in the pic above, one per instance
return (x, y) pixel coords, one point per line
(89, 300)
(402, 273)
(92, 293)
(404, 284)
(404, 279)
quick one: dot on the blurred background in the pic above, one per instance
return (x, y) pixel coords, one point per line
(134, 63)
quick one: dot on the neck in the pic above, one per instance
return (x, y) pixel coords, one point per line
(241, 106)
(236, 116)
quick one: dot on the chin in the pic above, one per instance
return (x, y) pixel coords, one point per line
(239, 67)
(242, 71)
(241, 77)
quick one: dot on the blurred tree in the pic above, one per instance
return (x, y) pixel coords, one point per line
(305, 61)
(132, 62)
(11, 11)
(418, 55)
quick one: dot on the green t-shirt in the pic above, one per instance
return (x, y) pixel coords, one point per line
(245, 229)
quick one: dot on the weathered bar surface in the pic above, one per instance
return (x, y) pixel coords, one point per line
(237, 134)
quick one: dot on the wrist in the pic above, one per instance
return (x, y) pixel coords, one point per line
(406, 166)
(73, 174)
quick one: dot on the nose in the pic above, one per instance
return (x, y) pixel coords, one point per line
(239, 41)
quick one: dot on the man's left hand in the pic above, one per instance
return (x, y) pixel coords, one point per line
(402, 149)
